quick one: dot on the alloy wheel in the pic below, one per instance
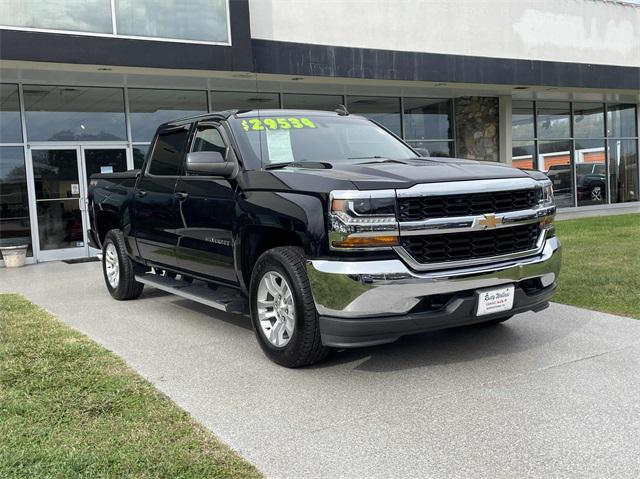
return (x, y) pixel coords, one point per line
(112, 265)
(276, 311)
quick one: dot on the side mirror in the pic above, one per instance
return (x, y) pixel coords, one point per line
(423, 152)
(209, 163)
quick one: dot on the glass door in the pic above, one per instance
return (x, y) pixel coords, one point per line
(100, 159)
(58, 188)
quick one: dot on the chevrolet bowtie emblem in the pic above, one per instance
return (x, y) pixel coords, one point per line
(490, 221)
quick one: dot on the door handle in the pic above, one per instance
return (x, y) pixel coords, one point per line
(141, 193)
(181, 195)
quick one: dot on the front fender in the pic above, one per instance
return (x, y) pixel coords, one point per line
(294, 216)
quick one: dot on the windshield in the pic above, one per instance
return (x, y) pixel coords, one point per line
(316, 138)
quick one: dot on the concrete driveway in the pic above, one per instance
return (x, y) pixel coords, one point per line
(555, 394)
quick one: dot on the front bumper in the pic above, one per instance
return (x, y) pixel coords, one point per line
(362, 303)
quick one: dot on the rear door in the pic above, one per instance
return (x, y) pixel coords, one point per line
(206, 205)
(156, 209)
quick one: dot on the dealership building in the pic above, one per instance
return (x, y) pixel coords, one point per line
(552, 85)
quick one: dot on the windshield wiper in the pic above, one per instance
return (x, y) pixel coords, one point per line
(299, 164)
(380, 159)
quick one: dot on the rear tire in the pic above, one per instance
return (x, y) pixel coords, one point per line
(286, 321)
(119, 269)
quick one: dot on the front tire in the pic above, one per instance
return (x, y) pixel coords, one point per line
(283, 312)
(118, 268)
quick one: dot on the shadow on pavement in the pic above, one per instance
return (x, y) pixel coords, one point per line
(450, 346)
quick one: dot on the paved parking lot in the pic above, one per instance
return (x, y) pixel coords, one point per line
(555, 394)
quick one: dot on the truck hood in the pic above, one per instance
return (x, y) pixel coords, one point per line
(375, 174)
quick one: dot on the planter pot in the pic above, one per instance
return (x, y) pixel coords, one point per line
(14, 256)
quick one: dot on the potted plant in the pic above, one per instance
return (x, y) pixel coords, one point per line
(14, 256)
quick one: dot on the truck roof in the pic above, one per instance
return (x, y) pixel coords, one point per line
(225, 114)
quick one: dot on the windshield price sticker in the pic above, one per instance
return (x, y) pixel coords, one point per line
(259, 124)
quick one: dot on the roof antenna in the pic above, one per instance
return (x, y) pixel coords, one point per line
(342, 110)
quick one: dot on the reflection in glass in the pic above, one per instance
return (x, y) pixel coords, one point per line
(234, 100)
(73, 15)
(522, 120)
(56, 113)
(523, 155)
(442, 149)
(385, 111)
(427, 119)
(311, 102)
(55, 174)
(554, 120)
(623, 170)
(200, 20)
(621, 121)
(15, 227)
(150, 108)
(59, 224)
(139, 154)
(591, 172)
(588, 120)
(104, 160)
(10, 127)
(555, 160)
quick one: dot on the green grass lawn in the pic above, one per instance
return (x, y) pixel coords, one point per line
(601, 264)
(70, 408)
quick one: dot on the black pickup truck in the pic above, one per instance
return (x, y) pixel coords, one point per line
(327, 228)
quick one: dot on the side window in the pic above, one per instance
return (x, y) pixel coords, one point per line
(208, 138)
(168, 153)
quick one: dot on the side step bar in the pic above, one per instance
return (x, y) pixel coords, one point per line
(222, 298)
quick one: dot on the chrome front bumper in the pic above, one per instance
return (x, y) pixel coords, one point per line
(369, 289)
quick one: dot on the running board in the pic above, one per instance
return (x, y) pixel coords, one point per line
(225, 299)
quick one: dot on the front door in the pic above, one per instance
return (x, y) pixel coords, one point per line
(205, 243)
(61, 179)
(59, 194)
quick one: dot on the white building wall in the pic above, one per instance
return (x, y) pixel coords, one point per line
(580, 31)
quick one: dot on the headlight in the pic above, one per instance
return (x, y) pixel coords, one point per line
(362, 220)
(548, 212)
(547, 193)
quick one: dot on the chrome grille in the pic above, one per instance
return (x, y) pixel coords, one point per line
(446, 206)
(440, 248)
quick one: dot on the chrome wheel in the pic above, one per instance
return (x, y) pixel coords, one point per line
(596, 193)
(276, 311)
(112, 265)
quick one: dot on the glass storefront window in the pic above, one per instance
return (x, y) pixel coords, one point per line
(10, 127)
(522, 120)
(591, 172)
(588, 120)
(442, 149)
(235, 100)
(15, 226)
(555, 161)
(523, 155)
(150, 108)
(554, 120)
(71, 15)
(311, 102)
(199, 20)
(384, 110)
(623, 170)
(60, 113)
(139, 154)
(427, 119)
(621, 121)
